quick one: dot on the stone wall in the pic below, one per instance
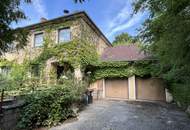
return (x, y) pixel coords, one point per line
(10, 115)
(89, 34)
(30, 52)
(80, 29)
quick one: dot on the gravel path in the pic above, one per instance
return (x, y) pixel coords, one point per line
(123, 115)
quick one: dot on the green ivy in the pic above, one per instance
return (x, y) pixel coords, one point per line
(5, 62)
(76, 52)
(122, 69)
(81, 53)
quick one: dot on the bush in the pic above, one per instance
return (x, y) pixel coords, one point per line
(47, 108)
(181, 94)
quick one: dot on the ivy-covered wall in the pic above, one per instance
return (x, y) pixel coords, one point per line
(85, 43)
(122, 69)
(80, 29)
(91, 35)
(82, 51)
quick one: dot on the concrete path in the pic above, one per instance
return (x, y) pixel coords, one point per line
(122, 115)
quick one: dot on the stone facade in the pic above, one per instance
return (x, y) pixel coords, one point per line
(80, 25)
(88, 33)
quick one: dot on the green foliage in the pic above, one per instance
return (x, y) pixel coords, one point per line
(124, 39)
(18, 81)
(18, 72)
(181, 93)
(6, 82)
(79, 1)
(76, 52)
(4, 62)
(166, 34)
(51, 106)
(11, 12)
(122, 69)
(13, 80)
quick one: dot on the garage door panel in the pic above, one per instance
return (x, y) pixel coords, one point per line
(150, 89)
(116, 88)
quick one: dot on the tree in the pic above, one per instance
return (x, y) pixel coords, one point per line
(10, 12)
(79, 1)
(167, 35)
(124, 39)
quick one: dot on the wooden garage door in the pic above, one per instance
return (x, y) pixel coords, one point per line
(150, 89)
(116, 88)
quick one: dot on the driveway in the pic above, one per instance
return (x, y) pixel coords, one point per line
(123, 115)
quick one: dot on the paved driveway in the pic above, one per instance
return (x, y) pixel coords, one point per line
(122, 115)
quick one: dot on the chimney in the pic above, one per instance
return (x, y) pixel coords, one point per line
(66, 12)
(43, 19)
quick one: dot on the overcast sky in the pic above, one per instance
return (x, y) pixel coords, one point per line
(111, 16)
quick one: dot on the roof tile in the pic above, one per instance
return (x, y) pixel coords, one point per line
(124, 53)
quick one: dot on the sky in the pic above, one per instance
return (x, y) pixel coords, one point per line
(113, 17)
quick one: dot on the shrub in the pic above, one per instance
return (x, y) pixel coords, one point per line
(47, 108)
(181, 94)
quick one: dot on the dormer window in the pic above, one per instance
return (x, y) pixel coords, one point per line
(38, 39)
(64, 35)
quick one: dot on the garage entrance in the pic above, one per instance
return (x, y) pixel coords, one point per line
(116, 88)
(150, 89)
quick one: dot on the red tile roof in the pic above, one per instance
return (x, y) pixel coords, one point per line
(124, 53)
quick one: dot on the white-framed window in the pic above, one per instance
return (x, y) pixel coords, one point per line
(64, 35)
(38, 39)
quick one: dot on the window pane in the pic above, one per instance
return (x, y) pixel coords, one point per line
(38, 40)
(64, 35)
(35, 70)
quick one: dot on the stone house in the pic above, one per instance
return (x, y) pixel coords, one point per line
(63, 29)
(73, 26)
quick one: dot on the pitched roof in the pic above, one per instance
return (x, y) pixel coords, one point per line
(124, 53)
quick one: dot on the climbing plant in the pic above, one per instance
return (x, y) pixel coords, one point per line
(83, 54)
(4, 62)
(78, 53)
(123, 69)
